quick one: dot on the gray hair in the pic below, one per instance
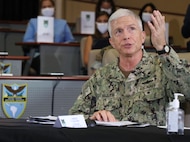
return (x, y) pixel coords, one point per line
(120, 13)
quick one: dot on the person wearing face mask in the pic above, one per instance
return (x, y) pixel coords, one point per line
(145, 14)
(101, 37)
(102, 27)
(106, 5)
(62, 32)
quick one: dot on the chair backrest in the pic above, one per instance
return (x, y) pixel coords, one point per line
(109, 56)
(92, 59)
(82, 48)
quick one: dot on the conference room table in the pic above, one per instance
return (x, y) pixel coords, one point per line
(19, 130)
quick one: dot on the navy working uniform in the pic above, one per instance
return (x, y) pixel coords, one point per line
(142, 96)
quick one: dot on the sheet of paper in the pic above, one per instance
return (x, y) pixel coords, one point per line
(118, 123)
(49, 117)
(42, 119)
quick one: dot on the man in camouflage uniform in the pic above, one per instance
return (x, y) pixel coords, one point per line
(138, 86)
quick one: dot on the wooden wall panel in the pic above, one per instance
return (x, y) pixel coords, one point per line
(174, 10)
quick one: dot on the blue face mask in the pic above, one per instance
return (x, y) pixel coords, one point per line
(49, 12)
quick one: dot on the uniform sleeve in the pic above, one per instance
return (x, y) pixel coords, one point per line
(30, 33)
(84, 103)
(177, 73)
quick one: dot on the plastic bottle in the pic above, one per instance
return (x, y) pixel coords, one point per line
(175, 117)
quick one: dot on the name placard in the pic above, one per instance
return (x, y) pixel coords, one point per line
(45, 29)
(87, 22)
(72, 121)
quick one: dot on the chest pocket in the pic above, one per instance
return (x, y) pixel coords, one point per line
(149, 89)
(108, 103)
(150, 94)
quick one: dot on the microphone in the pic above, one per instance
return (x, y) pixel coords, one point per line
(57, 81)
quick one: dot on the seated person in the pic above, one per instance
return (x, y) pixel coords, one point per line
(145, 10)
(101, 37)
(62, 32)
(138, 86)
(105, 5)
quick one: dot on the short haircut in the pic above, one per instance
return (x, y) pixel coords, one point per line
(120, 13)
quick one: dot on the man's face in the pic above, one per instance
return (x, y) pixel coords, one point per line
(127, 36)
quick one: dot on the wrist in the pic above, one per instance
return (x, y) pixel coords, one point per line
(165, 50)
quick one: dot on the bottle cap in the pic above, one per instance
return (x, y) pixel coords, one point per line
(175, 102)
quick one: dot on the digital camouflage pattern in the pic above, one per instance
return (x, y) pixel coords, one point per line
(143, 96)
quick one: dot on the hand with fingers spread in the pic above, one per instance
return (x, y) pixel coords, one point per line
(157, 27)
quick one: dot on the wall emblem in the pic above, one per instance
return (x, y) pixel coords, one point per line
(5, 68)
(14, 100)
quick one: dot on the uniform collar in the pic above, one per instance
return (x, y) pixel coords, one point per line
(140, 71)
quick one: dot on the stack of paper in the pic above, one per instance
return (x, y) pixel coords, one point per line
(121, 123)
(42, 119)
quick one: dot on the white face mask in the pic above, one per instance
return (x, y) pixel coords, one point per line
(146, 16)
(106, 10)
(102, 27)
(49, 12)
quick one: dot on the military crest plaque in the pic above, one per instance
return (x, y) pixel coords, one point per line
(14, 99)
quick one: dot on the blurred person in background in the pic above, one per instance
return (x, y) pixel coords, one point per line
(105, 5)
(144, 14)
(62, 32)
(101, 37)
